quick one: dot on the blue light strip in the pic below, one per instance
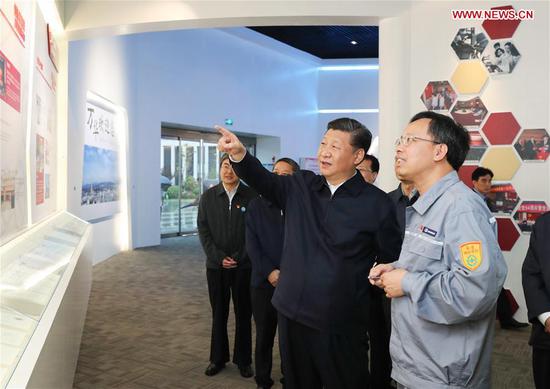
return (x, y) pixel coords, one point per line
(368, 110)
(337, 68)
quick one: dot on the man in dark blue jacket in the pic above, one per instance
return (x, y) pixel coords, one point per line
(264, 244)
(336, 225)
(536, 285)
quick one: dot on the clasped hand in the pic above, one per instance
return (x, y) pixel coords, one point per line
(386, 277)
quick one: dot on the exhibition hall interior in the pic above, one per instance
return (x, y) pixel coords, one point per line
(109, 148)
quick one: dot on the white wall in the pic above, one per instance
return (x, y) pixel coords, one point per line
(187, 76)
(424, 54)
(267, 148)
(348, 89)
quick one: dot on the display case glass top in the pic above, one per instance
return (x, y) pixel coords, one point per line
(31, 267)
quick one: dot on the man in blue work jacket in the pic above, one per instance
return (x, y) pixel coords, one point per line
(445, 285)
(336, 225)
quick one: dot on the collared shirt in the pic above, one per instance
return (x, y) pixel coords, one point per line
(330, 244)
(442, 329)
(333, 188)
(231, 193)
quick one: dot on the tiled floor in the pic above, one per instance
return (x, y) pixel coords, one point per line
(148, 326)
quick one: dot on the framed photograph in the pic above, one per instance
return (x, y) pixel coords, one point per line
(501, 57)
(533, 145)
(528, 213)
(477, 146)
(504, 198)
(438, 96)
(469, 113)
(467, 44)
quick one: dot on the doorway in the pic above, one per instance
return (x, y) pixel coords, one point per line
(189, 165)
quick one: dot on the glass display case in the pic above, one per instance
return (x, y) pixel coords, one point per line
(31, 267)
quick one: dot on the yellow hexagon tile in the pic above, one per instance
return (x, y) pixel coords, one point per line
(469, 77)
(503, 161)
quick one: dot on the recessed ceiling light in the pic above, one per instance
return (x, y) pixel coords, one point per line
(353, 42)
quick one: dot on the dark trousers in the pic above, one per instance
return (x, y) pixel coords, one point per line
(222, 284)
(265, 317)
(315, 359)
(504, 311)
(379, 339)
(541, 368)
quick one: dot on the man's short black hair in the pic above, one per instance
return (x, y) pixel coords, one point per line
(480, 172)
(293, 164)
(374, 163)
(445, 130)
(361, 137)
(223, 158)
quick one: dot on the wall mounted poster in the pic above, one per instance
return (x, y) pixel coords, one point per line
(43, 127)
(100, 195)
(14, 79)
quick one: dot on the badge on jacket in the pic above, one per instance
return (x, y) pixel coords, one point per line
(470, 253)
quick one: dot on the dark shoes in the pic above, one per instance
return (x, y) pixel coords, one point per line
(213, 369)
(246, 371)
(512, 324)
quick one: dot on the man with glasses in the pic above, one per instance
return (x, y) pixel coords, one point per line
(336, 225)
(445, 285)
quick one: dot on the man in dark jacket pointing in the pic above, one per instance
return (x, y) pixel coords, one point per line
(337, 225)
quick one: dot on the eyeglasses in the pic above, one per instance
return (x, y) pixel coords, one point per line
(406, 140)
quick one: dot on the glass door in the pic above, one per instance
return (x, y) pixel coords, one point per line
(189, 165)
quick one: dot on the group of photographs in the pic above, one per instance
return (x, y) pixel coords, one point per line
(499, 57)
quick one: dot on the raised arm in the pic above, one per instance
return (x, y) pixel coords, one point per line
(249, 169)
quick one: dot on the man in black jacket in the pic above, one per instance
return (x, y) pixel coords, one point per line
(264, 244)
(221, 225)
(536, 285)
(336, 225)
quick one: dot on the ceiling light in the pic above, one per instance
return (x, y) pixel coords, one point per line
(353, 43)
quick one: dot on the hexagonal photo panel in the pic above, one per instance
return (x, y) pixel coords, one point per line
(504, 198)
(507, 234)
(528, 212)
(533, 145)
(469, 45)
(503, 161)
(501, 128)
(501, 28)
(469, 77)
(477, 147)
(500, 57)
(469, 113)
(438, 96)
(465, 174)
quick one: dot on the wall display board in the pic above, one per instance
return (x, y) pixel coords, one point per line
(43, 136)
(15, 20)
(101, 174)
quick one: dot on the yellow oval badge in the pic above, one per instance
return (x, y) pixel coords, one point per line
(470, 253)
